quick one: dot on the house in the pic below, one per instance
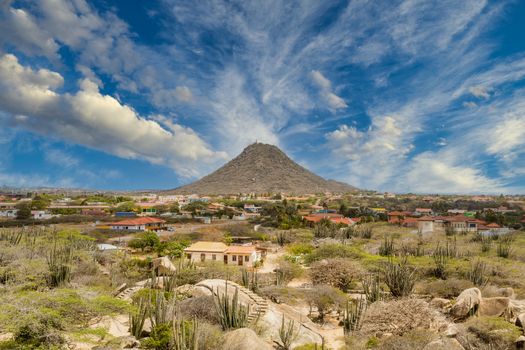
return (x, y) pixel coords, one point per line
(425, 224)
(41, 215)
(8, 210)
(139, 224)
(423, 211)
(396, 217)
(252, 208)
(333, 217)
(218, 251)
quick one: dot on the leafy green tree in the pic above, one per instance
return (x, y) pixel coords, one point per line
(24, 211)
(145, 240)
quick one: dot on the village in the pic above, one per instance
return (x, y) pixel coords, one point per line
(309, 259)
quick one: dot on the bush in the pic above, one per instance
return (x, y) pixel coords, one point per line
(327, 251)
(338, 273)
(202, 308)
(325, 299)
(286, 271)
(493, 331)
(448, 289)
(144, 240)
(399, 277)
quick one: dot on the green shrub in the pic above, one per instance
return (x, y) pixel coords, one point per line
(327, 251)
(399, 277)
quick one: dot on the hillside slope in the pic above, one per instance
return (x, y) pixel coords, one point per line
(262, 168)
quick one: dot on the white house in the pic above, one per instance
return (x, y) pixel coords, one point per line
(139, 224)
(218, 251)
(41, 215)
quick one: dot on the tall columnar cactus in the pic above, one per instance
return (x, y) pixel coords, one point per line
(353, 315)
(372, 288)
(288, 333)
(441, 259)
(138, 317)
(185, 335)
(232, 313)
(399, 277)
(387, 246)
(59, 260)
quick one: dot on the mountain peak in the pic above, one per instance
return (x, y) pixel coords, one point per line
(262, 168)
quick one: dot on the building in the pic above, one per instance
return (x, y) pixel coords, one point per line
(41, 215)
(8, 210)
(218, 251)
(139, 224)
(397, 217)
(423, 211)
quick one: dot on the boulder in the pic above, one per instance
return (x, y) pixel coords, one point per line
(244, 339)
(468, 300)
(164, 266)
(443, 343)
(498, 306)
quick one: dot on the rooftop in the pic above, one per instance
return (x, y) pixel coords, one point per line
(138, 221)
(217, 247)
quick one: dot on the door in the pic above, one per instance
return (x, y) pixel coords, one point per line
(225, 259)
(240, 259)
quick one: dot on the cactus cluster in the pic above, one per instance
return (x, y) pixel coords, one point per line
(353, 315)
(232, 313)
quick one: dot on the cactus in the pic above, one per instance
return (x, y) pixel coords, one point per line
(287, 334)
(232, 313)
(505, 246)
(353, 315)
(372, 288)
(59, 260)
(478, 272)
(387, 246)
(399, 277)
(185, 335)
(441, 258)
(137, 318)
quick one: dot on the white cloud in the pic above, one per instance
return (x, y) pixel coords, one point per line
(96, 121)
(435, 173)
(507, 135)
(334, 102)
(480, 91)
(320, 80)
(470, 104)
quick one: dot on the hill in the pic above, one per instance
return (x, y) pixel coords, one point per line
(262, 168)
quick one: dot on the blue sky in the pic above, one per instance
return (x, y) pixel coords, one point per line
(404, 96)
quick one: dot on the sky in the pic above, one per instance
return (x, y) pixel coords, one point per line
(400, 96)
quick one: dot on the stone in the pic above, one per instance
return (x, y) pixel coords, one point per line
(244, 339)
(497, 306)
(452, 330)
(468, 300)
(444, 344)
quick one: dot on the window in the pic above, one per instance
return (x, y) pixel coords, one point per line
(246, 258)
(234, 257)
(213, 257)
(188, 256)
(203, 257)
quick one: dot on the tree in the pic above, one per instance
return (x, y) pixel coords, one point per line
(325, 299)
(126, 207)
(338, 273)
(24, 211)
(147, 239)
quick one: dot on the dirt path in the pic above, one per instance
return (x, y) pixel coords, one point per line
(271, 261)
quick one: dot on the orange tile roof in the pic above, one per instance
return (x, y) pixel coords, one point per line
(203, 246)
(137, 222)
(239, 249)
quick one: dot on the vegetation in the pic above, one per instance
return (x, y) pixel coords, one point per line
(400, 277)
(232, 313)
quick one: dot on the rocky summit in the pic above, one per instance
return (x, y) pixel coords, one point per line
(262, 168)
